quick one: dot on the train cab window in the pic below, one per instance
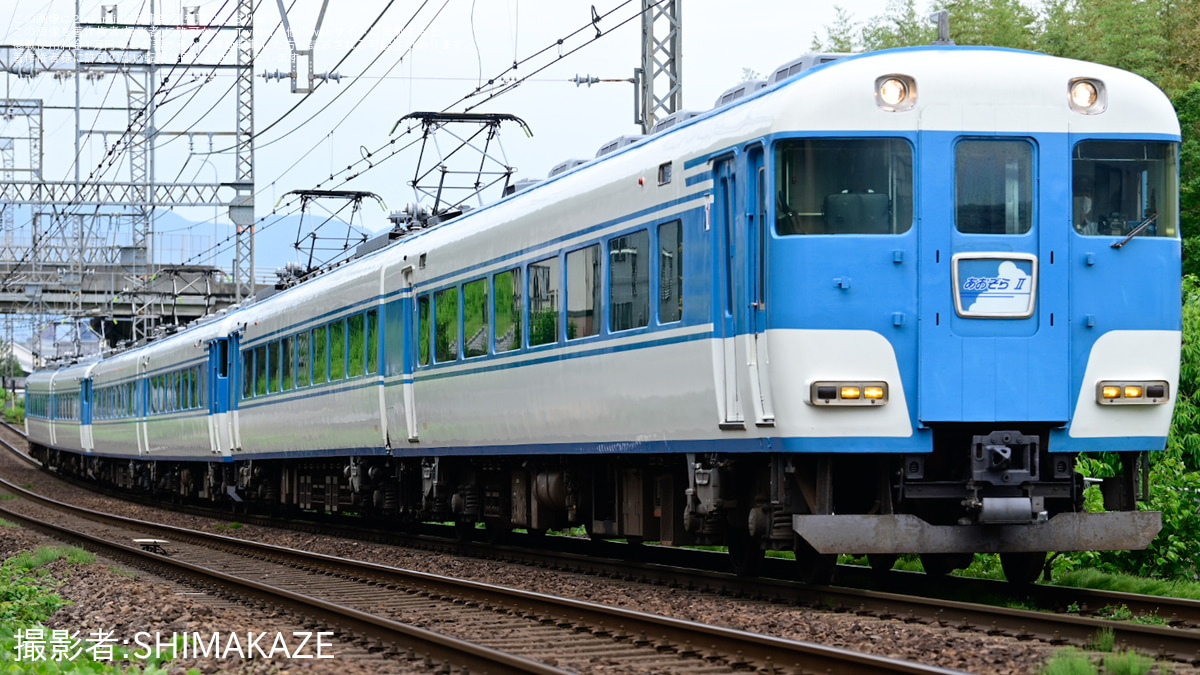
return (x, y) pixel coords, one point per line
(303, 358)
(507, 295)
(843, 186)
(583, 292)
(1118, 185)
(993, 187)
(423, 329)
(260, 370)
(273, 366)
(248, 373)
(288, 361)
(337, 350)
(544, 302)
(629, 281)
(356, 340)
(445, 328)
(372, 342)
(670, 272)
(476, 331)
(320, 355)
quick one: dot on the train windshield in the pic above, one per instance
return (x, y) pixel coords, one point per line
(843, 186)
(1119, 185)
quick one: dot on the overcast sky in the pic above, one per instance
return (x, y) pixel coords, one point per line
(468, 42)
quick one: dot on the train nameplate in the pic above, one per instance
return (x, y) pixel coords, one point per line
(995, 285)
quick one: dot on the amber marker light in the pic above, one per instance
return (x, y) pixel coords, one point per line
(849, 393)
(1135, 392)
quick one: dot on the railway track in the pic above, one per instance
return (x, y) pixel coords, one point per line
(505, 630)
(1178, 640)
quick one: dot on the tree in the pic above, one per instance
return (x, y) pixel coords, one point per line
(840, 36)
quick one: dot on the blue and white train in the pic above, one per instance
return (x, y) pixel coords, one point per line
(876, 307)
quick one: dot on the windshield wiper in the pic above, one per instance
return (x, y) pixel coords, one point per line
(1136, 231)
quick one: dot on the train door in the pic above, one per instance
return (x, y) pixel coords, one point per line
(53, 411)
(757, 358)
(993, 315)
(222, 362)
(141, 394)
(85, 414)
(411, 348)
(725, 322)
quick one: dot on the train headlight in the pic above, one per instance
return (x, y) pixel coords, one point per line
(1132, 393)
(848, 393)
(894, 93)
(1087, 96)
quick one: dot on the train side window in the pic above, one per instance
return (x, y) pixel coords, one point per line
(508, 306)
(629, 281)
(583, 292)
(445, 308)
(260, 370)
(288, 361)
(320, 355)
(423, 329)
(1118, 185)
(201, 390)
(476, 331)
(248, 373)
(273, 366)
(670, 272)
(185, 389)
(303, 359)
(337, 350)
(993, 187)
(843, 186)
(356, 339)
(544, 302)
(372, 341)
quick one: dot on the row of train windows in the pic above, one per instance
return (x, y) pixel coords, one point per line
(503, 296)
(866, 186)
(37, 405)
(66, 406)
(342, 349)
(117, 401)
(177, 391)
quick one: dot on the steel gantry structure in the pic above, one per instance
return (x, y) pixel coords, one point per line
(67, 260)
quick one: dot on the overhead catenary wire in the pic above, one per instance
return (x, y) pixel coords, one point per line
(372, 163)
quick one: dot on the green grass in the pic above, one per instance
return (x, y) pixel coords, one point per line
(1102, 641)
(231, 526)
(1127, 663)
(28, 598)
(7, 496)
(44, 555)
(1069, 661)
(1093, 579)
(7, 523)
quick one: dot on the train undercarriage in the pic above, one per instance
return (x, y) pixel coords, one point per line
(998, 492)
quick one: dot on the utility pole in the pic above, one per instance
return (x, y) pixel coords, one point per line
(658, 84)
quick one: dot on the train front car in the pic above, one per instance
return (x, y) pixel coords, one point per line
(971, 276)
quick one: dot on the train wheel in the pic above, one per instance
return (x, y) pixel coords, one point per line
(464, 530)
(1022, 568)
(941, 564)
(882, 563)
(745, 555)
(814, 568)
(496, 533)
